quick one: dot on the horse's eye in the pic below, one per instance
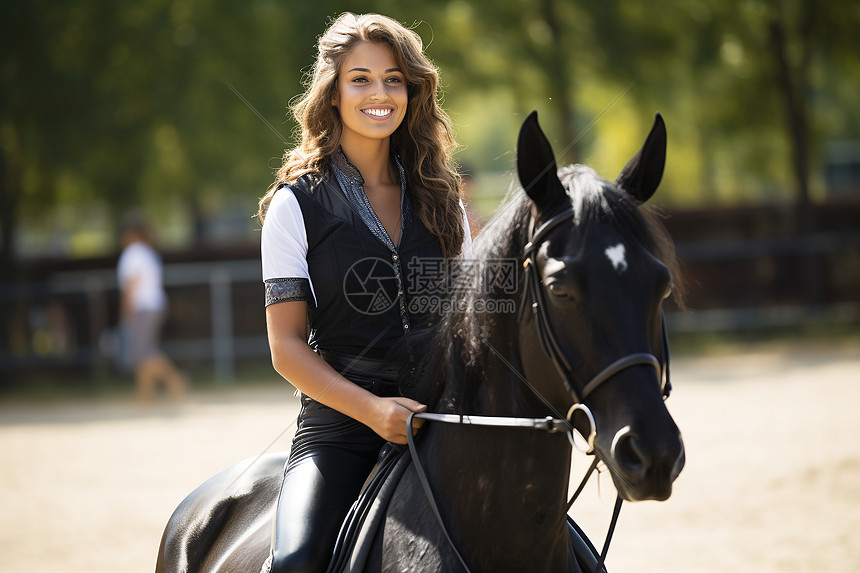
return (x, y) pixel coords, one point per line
(557, 289)
(668, 292)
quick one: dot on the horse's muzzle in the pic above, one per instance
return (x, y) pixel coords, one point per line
(644, 470)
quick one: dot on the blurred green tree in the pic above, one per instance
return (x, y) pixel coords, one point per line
(165, 102)
(130, 103)
(760, 78)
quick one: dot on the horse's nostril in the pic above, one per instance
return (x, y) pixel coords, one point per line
(630, 457)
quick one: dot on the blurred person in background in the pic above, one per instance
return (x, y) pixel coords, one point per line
(143, 304)
(371, 180)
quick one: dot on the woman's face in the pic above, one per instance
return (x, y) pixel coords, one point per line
(371, 93)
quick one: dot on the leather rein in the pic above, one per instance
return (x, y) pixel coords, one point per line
(549, 343)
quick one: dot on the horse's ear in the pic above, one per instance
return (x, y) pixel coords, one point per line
(641, 176)
(536, 164)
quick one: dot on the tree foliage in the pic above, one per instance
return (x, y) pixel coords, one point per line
(183, 103)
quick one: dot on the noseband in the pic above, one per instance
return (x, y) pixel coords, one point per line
(549, 341)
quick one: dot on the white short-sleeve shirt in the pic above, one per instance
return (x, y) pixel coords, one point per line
(284, 242)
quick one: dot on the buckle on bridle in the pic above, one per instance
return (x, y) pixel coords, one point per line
(552, 425)
(589, 440)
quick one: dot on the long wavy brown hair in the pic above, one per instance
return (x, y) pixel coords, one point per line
(424, 141)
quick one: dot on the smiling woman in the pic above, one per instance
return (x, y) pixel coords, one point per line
(371, 99)
(371, 180)
(371, 95)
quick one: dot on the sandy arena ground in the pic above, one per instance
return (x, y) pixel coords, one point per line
(772, 482)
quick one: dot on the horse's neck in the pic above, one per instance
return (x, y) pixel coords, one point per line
(504, 488)
(515, 479)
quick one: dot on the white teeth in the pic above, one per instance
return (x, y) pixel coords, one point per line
(378, 112)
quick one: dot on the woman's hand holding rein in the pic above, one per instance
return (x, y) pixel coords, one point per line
(390, 415)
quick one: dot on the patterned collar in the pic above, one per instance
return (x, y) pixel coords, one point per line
(352, 184)
(340, 161)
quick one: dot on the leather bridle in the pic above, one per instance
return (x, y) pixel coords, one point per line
(549, 342)
(536, 300)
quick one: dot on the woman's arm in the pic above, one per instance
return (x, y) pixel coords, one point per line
(303, 368)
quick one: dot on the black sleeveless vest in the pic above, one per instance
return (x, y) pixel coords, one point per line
(368, 297)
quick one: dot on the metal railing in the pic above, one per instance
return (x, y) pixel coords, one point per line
(720, 303)
(97, 290)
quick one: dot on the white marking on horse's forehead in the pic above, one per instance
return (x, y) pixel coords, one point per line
(617, 255)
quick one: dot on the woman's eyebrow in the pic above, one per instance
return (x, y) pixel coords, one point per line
(367, 71)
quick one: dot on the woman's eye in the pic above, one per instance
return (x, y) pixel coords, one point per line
(394, 80)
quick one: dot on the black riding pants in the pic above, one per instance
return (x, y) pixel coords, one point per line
(331, 457)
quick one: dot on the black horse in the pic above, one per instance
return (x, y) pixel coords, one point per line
(587, 265)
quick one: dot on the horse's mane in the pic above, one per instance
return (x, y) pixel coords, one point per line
(457, 343)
